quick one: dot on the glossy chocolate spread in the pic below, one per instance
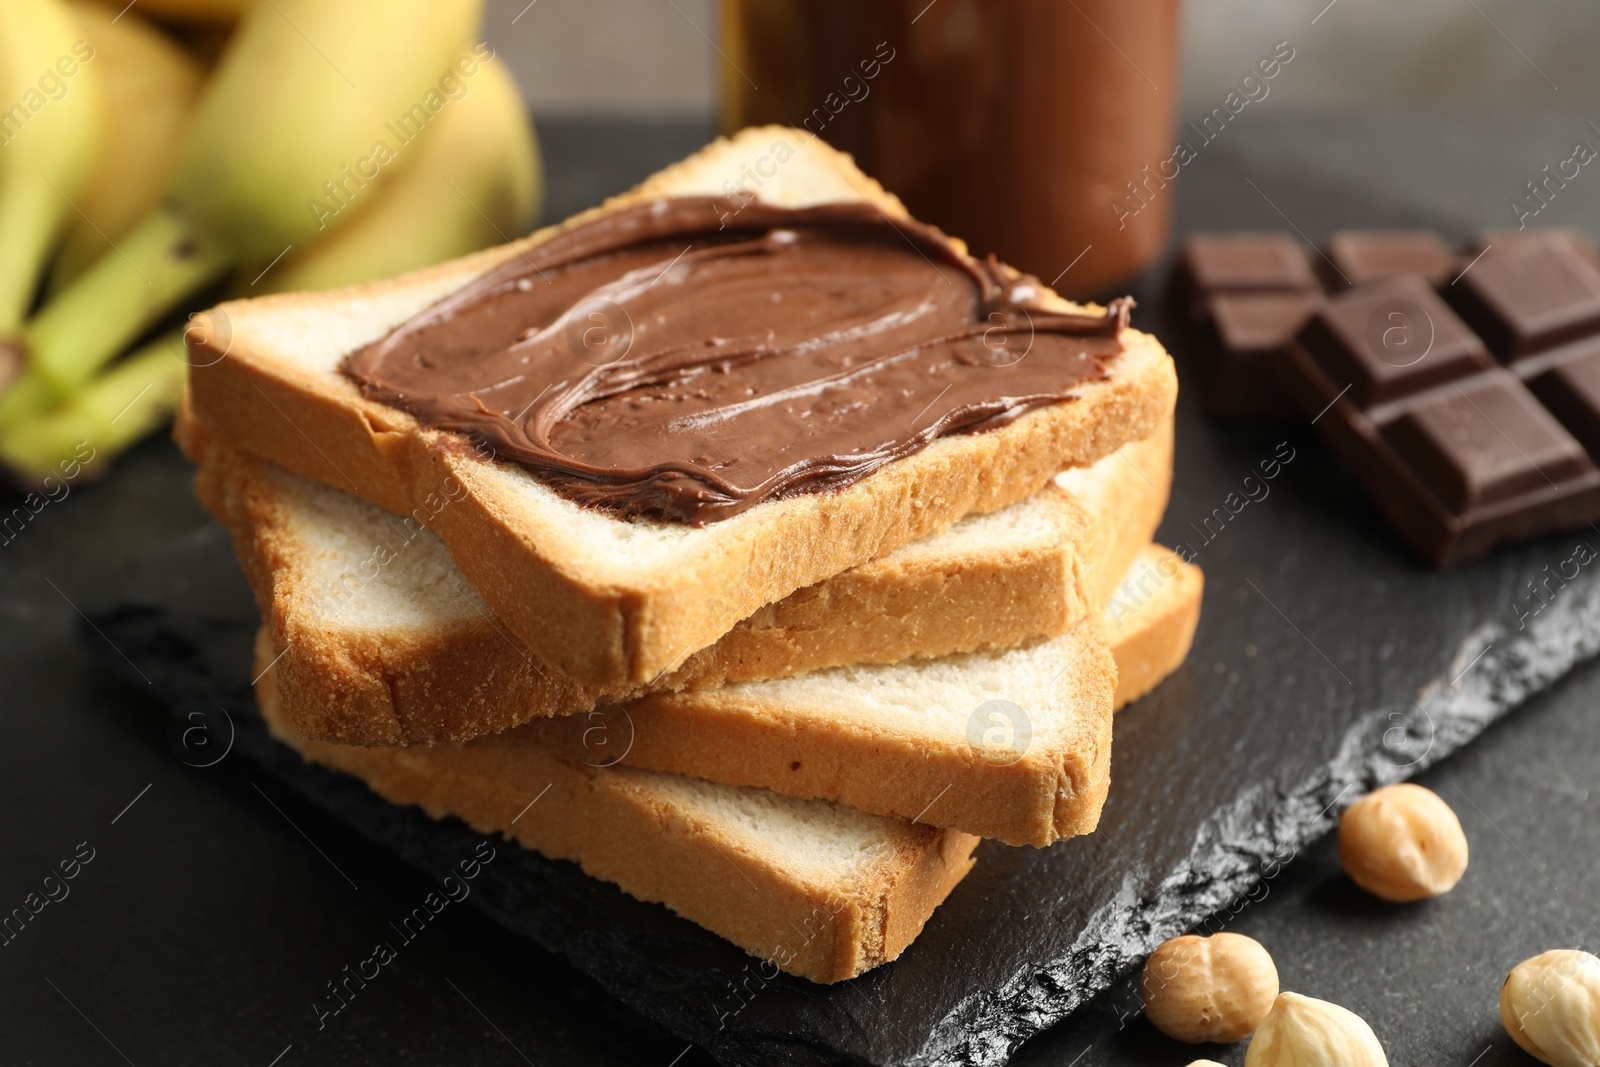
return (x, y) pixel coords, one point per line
(686, 359)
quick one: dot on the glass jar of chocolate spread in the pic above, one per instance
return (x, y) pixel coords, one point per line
(1033, 129)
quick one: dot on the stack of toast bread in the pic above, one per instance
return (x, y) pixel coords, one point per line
(791, 725)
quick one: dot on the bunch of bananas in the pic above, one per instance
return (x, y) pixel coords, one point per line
(333, 142)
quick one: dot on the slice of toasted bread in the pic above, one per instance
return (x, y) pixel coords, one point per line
(816, 889)
(972, 742)
(1014, 745)
(385, 642)
(606, 601)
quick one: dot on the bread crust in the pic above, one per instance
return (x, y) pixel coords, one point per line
(1126, 496)
(1151, 620)
(1054, 789)
(470, 676)
(627, 827)
(534, 555)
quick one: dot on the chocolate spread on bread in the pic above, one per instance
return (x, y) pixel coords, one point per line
(686, 359)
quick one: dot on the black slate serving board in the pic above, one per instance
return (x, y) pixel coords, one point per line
(1327, 662)
(1216, 775)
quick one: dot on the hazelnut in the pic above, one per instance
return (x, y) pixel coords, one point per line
(1303, 1032)
(1550, 1005)
(1402, 843)
(1206, 1063)
(1215, 988)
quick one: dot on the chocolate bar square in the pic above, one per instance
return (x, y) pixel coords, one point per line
(1239, 262)
(1259, 322)
(1571, 391)
(1388, 339)
(1577, 240)
(1356, 257)
(1524, 297)
(1483, 441)
(1239, 334)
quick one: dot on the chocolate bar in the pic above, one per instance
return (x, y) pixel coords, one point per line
(1456, 449)
(1244, 295)
(1470, 422)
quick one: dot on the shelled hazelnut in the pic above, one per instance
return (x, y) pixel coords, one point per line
(1550, 1005)
(1305, 1032)
(1402, 843)
(1215, 988)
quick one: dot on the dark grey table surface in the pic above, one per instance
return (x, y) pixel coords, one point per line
(205, 916)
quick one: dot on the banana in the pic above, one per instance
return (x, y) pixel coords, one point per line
(150, 86)
(475, 182)
(50, 126)
(102, 420)
(255, 160)
(306, 89)
(223, 11)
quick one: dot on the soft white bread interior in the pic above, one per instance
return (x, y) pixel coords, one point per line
(385, 642)
(603, 601)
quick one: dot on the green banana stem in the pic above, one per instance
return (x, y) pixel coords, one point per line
(104, 418)
(84, 327)
(11, 357)
(29, 221)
